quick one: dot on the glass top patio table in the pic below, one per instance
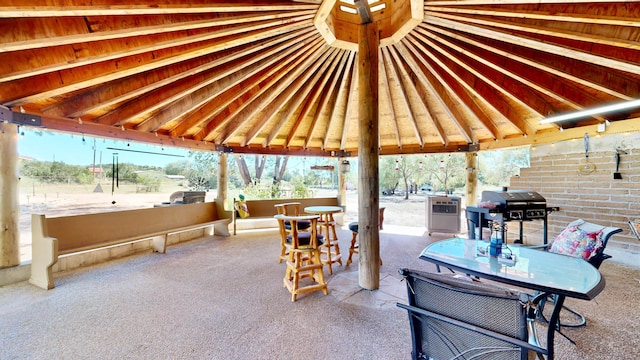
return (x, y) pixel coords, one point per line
(534, 269)
(323, 209)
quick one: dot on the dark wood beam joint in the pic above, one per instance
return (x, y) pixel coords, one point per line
(363, 10)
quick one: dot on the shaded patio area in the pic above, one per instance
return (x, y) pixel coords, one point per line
(222, 298)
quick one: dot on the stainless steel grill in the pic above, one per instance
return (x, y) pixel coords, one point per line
(520, 205)
(509, 205)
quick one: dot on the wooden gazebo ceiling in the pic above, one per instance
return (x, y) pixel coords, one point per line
(262, 76)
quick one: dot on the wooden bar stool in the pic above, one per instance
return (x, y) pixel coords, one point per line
(330, 250)
(353, 249)
(303, 260)
(290, 209)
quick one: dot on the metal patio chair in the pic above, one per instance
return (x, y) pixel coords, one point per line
(459, 318)
(595, 258)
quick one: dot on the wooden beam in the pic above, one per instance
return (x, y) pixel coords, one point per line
(9, 204)
(325, 108)
(482, 110)
(541, 67)
(268, 95)
(471, 194)
(340, 104)
(100, 75)
(368, 143)
(291, 98)
(404, 99)
(120, 49)
(222, 109)
(65, 9)
(113, 132)
(500, 99)
(306, 100)
(81, 38)
(350, 112)
(201, 108)
(558, 32)
(386, 95)
(551, 136)
(599, 19)
(535, 44)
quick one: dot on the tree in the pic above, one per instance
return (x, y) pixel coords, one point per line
(299, 189)
(447, 171)
(244, 169)
(201, 175)
(150, 181)
(410, 170)
(177, 168)
(312, 178)
(260, 162)
(497, 167)
(56, 172)
(389, 177)
(123, 172)
(408, 167)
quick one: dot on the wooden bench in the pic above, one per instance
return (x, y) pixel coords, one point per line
(262, 212)
(56, 236)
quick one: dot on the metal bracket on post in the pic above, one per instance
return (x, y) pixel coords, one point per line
(341, 154)
(469, 148)
(26, 119)
(19, 118)
(6, 115)
(224, 149)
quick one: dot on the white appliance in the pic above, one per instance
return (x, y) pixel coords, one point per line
(443, 214)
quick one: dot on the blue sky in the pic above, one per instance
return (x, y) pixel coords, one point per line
(70, 149)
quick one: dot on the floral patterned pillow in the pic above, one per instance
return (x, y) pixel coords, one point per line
(575, 242)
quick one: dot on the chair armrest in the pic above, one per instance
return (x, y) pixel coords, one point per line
(542, 246)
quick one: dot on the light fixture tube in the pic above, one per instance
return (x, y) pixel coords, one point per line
(588, 112)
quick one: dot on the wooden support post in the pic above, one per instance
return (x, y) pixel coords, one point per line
(368, 145)
(471, 159)
(221, 196)
(342, 185)
(9, 207)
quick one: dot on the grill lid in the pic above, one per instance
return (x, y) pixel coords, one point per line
(510, 197)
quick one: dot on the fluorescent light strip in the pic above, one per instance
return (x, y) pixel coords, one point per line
(598, 110)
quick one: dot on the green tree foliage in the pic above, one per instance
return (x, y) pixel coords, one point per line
(177, 168)
(56, 172)
(312, 178)
(124, 172)
(150, 181)
(444, 172)
(389, 176)
(259, 190)
(202, 171)
(497, 167)
(299, 189)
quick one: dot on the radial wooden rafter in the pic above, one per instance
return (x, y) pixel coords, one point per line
(260, 76)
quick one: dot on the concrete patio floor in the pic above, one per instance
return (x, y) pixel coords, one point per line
(222, 298)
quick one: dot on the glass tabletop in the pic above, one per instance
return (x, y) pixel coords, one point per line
(534, 269)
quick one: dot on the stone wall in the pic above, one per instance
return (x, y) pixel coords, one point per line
(596, 197)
